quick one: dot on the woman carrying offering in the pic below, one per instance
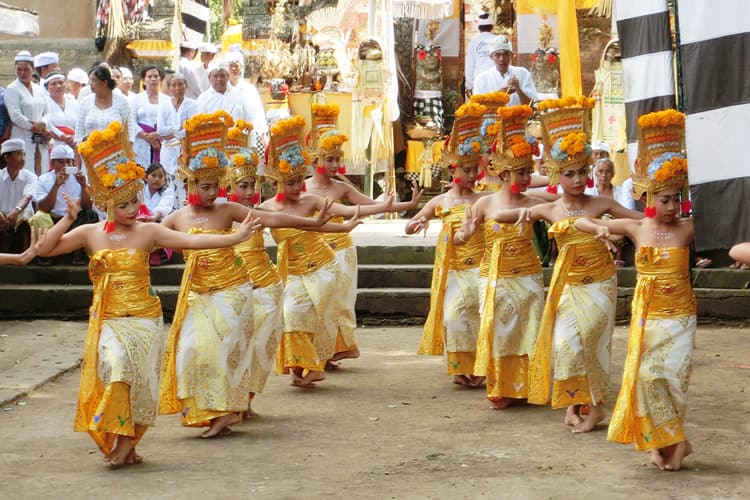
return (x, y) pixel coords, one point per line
(312, 293)
(651, 406)
(119, 390)
(511, 288)
(326, 152)
(575, 334)
(453, 321)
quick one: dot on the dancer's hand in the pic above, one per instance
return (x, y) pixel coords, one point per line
(524, 216)
(72, 207)
(248, 226)
(323, 215)
(469, 224)
(416, 195)
(354, 221)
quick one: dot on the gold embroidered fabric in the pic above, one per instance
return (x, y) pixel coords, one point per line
(347, 286)
(300, 252)
(461, 262)
(513, 254)
(582, 298)
(261, 270)
(652, 400)
(214, 269)
(338, 241)
(268, 328)
(122, 289)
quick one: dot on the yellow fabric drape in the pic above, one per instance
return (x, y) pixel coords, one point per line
(663, 291)
(338, 241)
(260, 268)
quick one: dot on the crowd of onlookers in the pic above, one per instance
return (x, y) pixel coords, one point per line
(50, 108)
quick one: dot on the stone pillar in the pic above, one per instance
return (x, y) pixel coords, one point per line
(256, 20)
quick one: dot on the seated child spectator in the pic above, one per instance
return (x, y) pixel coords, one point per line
(158, 202)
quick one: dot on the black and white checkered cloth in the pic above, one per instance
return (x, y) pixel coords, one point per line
(432, 107)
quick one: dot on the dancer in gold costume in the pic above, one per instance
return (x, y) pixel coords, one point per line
(210, 348)
(326, 152)
(579, 314)
(312, 291)
(119, 389)
(511, 288)
(453, 321)
(651, 406)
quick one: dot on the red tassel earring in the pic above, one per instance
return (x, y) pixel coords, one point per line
(342, 170)
(456, 180)
(589, 182)
(650, 212)
(320, 170)
(552, 189)
(194, 199)
(255, 199)
(109, 227)
(222, 192)
(280, 196)
(685, 207)
(143, 211)
(304, 187)
(481, 175)
(514, 189)
(233, 197)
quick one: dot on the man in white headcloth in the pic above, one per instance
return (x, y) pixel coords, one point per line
(126, 83)
(236, 59)
(478, 51)
(514, 80)
(17, 187)
(27, 107)
(187, 54)
(207, 53)
(46, 63)
(77, 79)
(222, 95)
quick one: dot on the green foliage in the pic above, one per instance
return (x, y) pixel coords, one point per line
(216, 10)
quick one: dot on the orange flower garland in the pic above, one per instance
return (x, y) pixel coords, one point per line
(566, 102)
(666, 118)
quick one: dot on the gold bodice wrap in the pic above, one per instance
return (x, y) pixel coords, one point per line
(448, 256)
(122, 288)
(582, 260)
(260, 268)
(513, 255)
(338, 241)
(301, 252)
(663, 291)
(215, 268)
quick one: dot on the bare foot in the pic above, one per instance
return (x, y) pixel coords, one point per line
(119, 456)
(250, 414)
(331, 366)
(500, 403)
(350, 354)
(657, 459)
(675, 454)
(134, 458)
(220, 426)
(572, 418)
(308, 381)
(462, 380)
(475, 381)
(595, 415)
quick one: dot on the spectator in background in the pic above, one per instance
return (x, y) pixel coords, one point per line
(145, 112)
(63, 111)
(250, 94)
(126, 83)
(513, 80)
(187, 54)
(46, 63)
(159, 200)
(207, 54)
(103, 106)
(77, 79)
(27, 107)
(478, 52)
(4, 118)
(222, 96)
(17, 186)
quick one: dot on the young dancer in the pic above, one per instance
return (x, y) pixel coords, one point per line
(453, 321)
(578, 316)
(329, 182)
(118, 396)
(312, 291)
(651, 406)
(486, 181)
(209, 350)
(511, 287)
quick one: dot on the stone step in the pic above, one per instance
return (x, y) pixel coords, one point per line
(380, 275)
(72, 302)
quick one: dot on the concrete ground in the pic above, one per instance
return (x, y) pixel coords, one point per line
(388, 425)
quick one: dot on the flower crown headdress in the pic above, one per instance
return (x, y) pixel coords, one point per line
(566, 124)
(514, 149)
(490, 126)
(465, 145)
(662, 163)
(324, 139)
(113, 175)
(243, 162)
(203, 156)
(238, 137)
(286, 158)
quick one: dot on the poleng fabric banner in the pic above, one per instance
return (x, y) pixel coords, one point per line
(715, 77)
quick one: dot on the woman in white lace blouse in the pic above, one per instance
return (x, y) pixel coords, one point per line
(102, 106)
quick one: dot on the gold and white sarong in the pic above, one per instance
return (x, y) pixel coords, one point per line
(346, 256)
(453, 321)
(651, 406)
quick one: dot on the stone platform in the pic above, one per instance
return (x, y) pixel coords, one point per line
(394, 282)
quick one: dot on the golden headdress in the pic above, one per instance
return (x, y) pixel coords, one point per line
(325, 139)
(465, 145)
(203, 154)
(566, 124)
(238, 136)
(490, 126)
(662, 163)
(286, 158)
(513, 149)
(113, 175)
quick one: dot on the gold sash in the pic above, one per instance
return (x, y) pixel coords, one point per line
(206, 271)
(259, 266)
(338, 241)
(582, 259)
(447, 257)
(300, 252)
(122, 288)
(663, 291)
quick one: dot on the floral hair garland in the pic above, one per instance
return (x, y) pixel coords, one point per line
(572, 144)
(208, 158)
